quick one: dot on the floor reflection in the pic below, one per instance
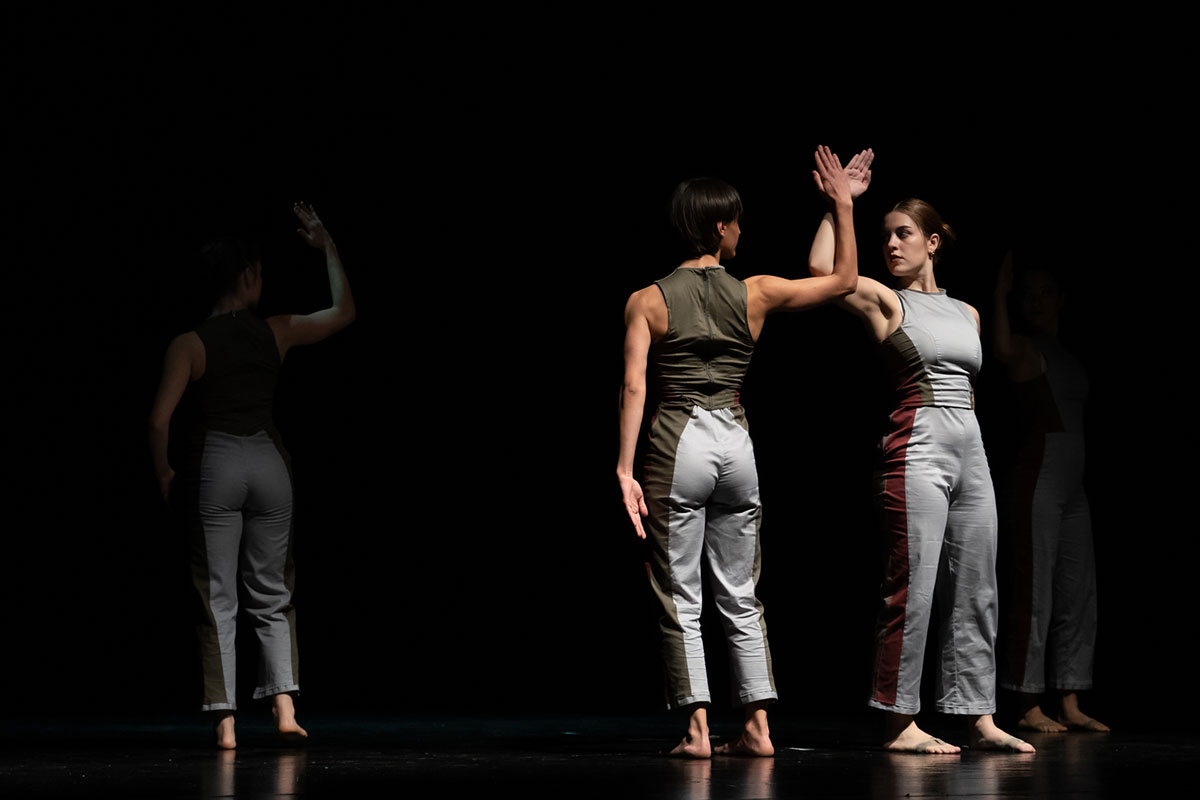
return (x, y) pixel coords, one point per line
(255, 773)
(574, 758)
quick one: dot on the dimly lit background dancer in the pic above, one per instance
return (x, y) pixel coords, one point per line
(1049, 614)
(701, 484)
(235, 491)
(938, 504)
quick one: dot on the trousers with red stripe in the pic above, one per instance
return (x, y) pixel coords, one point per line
(939, 513)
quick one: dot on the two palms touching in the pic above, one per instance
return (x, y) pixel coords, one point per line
(857, 171)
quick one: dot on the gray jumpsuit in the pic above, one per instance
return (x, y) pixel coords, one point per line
(701, 487)
(939, 513)
(1053, 602)
(237, 497)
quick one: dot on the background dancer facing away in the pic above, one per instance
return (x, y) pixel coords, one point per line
(939, 507)
(1053, 603)
(236, 489)
(701, 484)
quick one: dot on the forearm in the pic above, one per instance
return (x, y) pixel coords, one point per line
(339, 286)
(158, 437)
(821, 254)
(630, 407)
(845, 262)
(1002, 339)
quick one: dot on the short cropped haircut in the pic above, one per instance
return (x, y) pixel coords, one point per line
(697, 205)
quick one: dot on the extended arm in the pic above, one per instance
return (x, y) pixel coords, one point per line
(631, 405)
(768, 293)
(824, 247)
(870, 300)
(184, 363)
(292, 330)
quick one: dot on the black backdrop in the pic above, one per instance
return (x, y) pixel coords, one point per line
(460, 544)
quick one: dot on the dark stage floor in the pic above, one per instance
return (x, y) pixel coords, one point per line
(566, 757)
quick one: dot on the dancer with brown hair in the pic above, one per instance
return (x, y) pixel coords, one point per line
(235, 491)
(1050, 617)
(938, 505)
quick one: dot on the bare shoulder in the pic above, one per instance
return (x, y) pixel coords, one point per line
(974, 313)
(186, 351)
(279, 322)
(187, 345)
(877, 292)
(646, 309)
(647, 302)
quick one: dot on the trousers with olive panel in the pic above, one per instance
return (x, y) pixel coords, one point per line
(701, 489)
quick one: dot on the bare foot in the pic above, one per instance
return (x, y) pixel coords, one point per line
(984, 735)
(693, 747)
(695, 744)
(1035, 720)
(914, 740)
(755, 741)
(1082, 722)
(284, 711)
(747, 745)
(224, 729)
(1075, 719)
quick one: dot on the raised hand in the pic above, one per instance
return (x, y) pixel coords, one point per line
(314, 231)
(635, 503)
(859, 172)
(829, 176)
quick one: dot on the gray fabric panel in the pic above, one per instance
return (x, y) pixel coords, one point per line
(714, 513)
(944, 333)
(951, 514)
(245, 504)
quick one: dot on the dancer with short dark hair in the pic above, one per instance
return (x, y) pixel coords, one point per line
(701, 496)
(235, 491)
(938, 504)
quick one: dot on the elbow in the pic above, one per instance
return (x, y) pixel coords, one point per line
(819, 270)
(848, 285)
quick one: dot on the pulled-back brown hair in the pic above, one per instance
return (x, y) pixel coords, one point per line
(929, 221)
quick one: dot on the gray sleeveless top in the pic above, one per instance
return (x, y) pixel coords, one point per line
(705, 354)
(935, 354)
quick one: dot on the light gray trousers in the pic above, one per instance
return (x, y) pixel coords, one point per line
(244, 536)
(701, 488)
(939, 510)
(1054, 602)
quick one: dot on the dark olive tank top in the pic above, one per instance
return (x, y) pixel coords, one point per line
(706, 351)
(236, 394)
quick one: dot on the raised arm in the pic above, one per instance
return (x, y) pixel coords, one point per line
(1018, 353)
(870, 300)
(292, 330)
(767, 294)
(824, 246)
(632, 401)
(183, 363)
